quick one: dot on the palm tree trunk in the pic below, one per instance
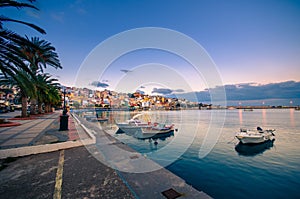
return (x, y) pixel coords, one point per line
(46, 108)
(40, 107)
(33, 106)
(24, 106)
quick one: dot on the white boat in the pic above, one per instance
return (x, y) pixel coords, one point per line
(133, 123)
(144, 128)
(157, 129)
(257, 136)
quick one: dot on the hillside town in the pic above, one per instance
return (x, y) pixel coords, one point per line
(106, 99)
(80, 98)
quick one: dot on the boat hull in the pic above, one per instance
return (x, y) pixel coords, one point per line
(250, 137)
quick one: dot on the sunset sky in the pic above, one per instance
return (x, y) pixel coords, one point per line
(254, 41)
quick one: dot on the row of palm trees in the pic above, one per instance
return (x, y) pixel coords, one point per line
(22, 64)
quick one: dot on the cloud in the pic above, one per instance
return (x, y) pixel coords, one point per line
(125, 71)
(251, 91)
(33, 13)
(78, 7)
(59, 16)
(164, 91)
(283, 90)
(99, 84)
(179, 91)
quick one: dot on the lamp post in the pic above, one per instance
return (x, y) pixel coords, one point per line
(64, 118)
(64, 108)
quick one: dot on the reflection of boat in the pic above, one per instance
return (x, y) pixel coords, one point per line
(248, 109)
(252, 150)
(246, 136)
(102, 119)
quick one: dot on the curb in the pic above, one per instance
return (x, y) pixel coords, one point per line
(46, 148)
(10, 124)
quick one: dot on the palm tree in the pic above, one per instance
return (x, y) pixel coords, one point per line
(10, 61)
(10, 42)
(39, 55)
(18, 5)
(46, 93)
(23, 82)
(21, 59)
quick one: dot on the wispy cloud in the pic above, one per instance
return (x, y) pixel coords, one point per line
(33, 13)
(78, 7)
(125, 70)
(58, 16)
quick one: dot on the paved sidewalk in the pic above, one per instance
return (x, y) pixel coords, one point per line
(40, 129)
(69, 171)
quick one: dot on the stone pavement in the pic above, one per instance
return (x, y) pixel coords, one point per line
(40, 129)
(27, 133)
(71, 173)
(68, 172)
(65, 173)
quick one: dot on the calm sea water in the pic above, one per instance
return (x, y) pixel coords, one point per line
(230, 170)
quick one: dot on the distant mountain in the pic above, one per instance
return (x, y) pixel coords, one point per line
(248, 91)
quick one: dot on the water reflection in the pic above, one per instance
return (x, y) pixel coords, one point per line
(253, 150)
(292, 117)
(241, 116)
(264, 117)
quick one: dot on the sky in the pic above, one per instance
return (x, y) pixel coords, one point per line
(249, 41)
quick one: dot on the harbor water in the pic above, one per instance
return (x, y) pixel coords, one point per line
(230, 170)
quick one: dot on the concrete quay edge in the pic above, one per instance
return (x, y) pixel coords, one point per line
(142, 185)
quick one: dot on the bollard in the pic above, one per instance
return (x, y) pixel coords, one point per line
(64, 120)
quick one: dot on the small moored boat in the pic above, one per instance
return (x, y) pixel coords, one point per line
(257, 136)
(158, 128)
(133, 123)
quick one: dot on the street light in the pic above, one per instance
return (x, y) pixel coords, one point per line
(64, 108)
(64, 118)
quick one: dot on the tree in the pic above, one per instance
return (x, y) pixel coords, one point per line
(10, 42)
(12, 65)
(10, 60)
(23, 82)
(22, 59)
(18, 5)
(47, 91)
(39, 55)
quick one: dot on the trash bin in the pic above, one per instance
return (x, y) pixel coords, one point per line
(64, 119)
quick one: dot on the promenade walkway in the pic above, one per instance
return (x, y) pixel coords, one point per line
(69, 170)
(39, 129)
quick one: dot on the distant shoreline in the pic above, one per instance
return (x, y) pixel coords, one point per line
(213, 108)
